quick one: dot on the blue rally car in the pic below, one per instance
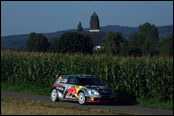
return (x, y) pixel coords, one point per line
(82, 88)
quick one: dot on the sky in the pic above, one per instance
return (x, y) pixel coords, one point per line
(24, 17)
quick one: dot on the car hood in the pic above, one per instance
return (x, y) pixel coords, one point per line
(97, 87)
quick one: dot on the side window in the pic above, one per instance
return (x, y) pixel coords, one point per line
(63, 80)
(72, 80)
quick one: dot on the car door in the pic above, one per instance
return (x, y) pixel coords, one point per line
(73, 88)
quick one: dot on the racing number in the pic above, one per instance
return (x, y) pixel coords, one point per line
(60, 80)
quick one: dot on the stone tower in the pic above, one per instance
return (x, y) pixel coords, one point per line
(94, 23)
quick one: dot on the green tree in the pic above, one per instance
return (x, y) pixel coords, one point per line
(37, 42)
(149, 31)
(72, 42)
(166, 46)
(54, 44)
(79, 27)
(111, 44)
(135, 44)
(151, 34)
(124, 48)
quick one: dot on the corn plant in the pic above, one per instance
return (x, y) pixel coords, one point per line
(141, 76)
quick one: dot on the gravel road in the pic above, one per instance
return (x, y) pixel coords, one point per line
(117, 108)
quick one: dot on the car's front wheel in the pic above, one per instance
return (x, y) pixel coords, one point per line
(81, 98)
(54, 95)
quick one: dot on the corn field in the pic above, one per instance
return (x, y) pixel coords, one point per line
(141, 76)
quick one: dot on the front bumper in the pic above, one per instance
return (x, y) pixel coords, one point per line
(100, 100)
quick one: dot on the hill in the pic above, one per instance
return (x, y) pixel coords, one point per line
(18, 41)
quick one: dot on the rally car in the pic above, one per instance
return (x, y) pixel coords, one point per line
(82, 88)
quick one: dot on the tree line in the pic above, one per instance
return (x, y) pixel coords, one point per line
(142, 43)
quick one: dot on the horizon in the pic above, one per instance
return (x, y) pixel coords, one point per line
(75, 28)
(19, 18)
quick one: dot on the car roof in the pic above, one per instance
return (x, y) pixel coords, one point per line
(76, 75)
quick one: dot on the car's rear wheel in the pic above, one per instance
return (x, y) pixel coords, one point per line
(81, 98)
(54, 95)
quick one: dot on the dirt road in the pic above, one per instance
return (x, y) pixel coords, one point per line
(117, 108)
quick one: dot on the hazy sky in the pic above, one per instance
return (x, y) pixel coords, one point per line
(23, 17)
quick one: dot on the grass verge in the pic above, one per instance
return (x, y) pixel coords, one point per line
(33, 89)
(46, 91)
(154, 103)
(11, 106)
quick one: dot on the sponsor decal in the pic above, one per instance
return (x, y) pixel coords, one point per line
(77, 89)
(72, 92)
(55, 85)
(90, 99)
(58, 87)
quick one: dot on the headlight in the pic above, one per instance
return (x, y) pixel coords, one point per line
(93, 92)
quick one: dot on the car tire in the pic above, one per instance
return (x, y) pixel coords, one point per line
(81, 98)
(54, 95)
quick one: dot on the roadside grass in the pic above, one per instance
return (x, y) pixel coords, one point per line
(26, 88)
(33, 89)
(154, 103)
(11, 106)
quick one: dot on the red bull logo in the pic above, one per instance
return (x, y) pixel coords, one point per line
(71, 92)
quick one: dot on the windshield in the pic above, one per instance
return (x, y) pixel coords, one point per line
(90, 81)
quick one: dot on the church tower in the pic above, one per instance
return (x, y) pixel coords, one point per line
(94, 23)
